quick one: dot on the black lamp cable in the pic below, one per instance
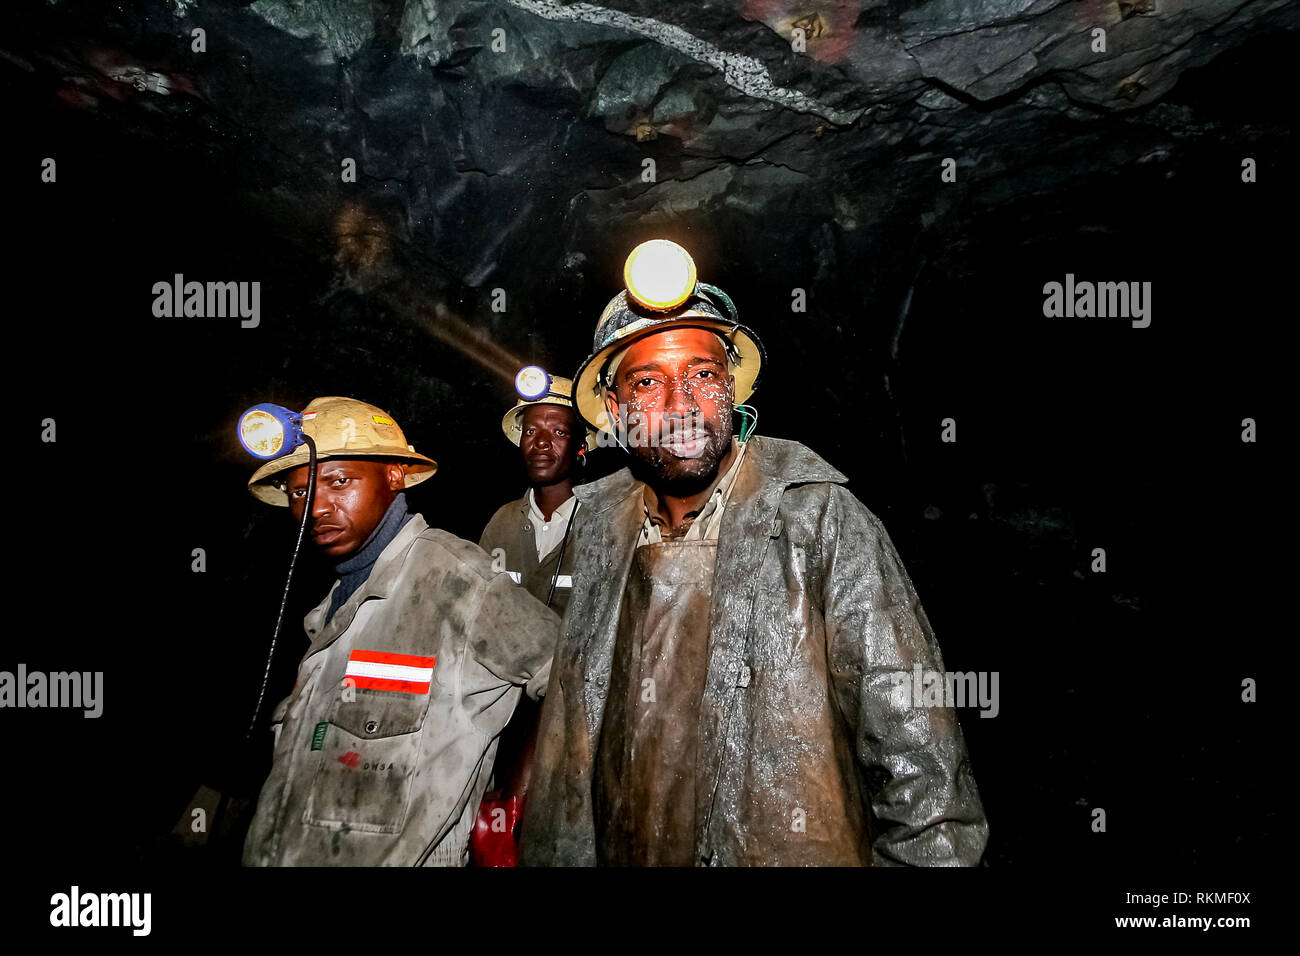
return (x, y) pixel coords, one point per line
(288, 581)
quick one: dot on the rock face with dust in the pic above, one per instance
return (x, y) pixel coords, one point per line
(482, 135)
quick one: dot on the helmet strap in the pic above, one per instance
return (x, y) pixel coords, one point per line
(721, 298)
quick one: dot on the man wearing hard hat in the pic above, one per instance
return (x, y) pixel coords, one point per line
(417, 658)
(724, 689)
(529, 539)
(531, 533)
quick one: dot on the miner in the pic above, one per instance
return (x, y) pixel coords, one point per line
(530, 534)
(529, 539)
(416, 660)
(723, 689)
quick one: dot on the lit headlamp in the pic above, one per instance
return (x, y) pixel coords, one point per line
(269, 431)
(659, 275)
(532, 382)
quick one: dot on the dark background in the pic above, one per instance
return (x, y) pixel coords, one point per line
(1119, 690)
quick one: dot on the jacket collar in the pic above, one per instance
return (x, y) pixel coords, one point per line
(533, 511)
(383, 577)
(601, 495)
(791, 462)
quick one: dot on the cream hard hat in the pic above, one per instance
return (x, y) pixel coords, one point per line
(559, 391)
(342, 428)
(662, 292)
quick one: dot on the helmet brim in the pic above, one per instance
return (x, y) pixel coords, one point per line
(265, 488)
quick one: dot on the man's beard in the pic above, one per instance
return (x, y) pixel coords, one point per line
(678, 476)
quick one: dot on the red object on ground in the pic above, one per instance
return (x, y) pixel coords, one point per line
(494, 841)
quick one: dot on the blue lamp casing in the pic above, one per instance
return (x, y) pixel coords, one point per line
(268, 431)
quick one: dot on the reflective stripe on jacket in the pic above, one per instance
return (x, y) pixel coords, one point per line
(511, 531)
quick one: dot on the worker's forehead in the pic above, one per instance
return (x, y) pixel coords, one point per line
(674, 344)
(351, 465)
(548, 413)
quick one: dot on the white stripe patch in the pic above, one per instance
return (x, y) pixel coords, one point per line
(420, 675)
(564, 581)
(514, 576)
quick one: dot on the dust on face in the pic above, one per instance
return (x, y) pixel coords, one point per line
(673, 394)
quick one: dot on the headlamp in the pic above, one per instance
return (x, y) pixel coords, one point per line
(269, 431)
(532, 382)
(659, 275)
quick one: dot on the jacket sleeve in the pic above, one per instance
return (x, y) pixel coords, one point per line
(923, 799)
(491, 536)
(277, 718)
(513, 635)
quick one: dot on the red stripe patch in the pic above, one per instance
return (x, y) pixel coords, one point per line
(380, 670)
(402, 660)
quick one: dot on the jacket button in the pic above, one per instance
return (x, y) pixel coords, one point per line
(371, 726)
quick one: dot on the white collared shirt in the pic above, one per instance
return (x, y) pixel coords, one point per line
(547, 535)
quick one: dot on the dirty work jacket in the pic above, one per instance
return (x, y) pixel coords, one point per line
(389, 767)
(511, 530)
(812, 616)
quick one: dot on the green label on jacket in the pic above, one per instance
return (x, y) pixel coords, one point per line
(318, 735)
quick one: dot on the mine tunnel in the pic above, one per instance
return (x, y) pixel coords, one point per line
(432, 195)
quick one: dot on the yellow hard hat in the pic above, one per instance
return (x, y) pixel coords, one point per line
(662, 292)
(342, 428)
(558, 391)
